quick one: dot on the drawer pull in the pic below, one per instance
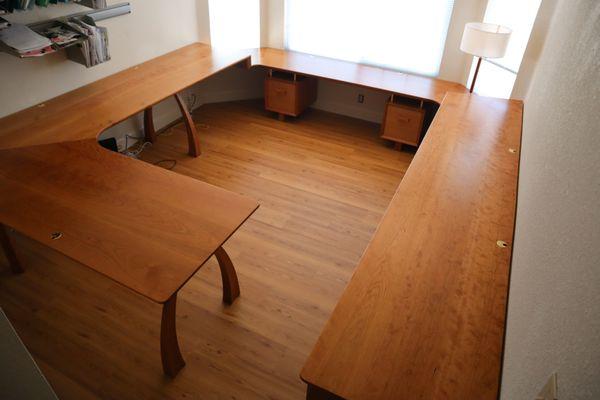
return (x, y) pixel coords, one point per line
(280, 91)
(403, 119)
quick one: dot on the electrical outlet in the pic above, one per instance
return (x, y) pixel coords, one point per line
(550, 389)
(361, 98)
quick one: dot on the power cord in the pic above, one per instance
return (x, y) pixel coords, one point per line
(135, 153)
(192, 99)
(170, 166)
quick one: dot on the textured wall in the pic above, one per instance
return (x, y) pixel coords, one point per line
(554, 301)
(539, 31)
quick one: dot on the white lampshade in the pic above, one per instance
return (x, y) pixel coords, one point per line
(485, 40)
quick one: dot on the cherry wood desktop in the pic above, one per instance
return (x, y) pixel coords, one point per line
(424, 313)
(147, 228)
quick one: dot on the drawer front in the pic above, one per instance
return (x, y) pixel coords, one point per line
(280, 96)
(403, 124)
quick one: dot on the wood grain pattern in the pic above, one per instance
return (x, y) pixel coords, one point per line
(151, 235)
(323, 182)
(357, 74)
(149, 131)
(289, 97)
(402, 124)
(424, 313)
(171, 358)
(85, 112)
(231, 286)
(190, 128)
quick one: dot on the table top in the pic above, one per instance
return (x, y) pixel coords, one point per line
(86, 112)
(145, 227)
(424, 313)
(419, 87)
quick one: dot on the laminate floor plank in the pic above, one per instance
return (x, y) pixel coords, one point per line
(323, 182)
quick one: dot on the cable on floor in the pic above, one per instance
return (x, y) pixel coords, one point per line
(135, 152)
(171, 163)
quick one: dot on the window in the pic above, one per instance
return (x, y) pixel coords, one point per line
(497, 76)
(234, 24)
(403, 35)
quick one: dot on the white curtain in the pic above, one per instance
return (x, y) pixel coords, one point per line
(234, 24)
(407, 35)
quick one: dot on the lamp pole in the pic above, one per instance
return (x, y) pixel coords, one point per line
(475, 76)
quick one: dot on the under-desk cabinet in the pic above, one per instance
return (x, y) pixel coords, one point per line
(288, 93)
(403, 122)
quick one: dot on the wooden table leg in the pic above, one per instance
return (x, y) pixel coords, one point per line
(9, 250)
(172, 360)
(149, 132)
(192, 134)
(231, 287)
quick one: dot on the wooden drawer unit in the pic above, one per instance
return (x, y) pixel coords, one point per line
(402, 124)
(289, 94)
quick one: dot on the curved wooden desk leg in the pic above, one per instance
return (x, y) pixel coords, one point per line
(149, 132)
(231, 287)
(172, 360)
(9, 251)
(192, 134)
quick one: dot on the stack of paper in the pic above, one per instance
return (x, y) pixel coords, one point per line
(61, 35)
(94, 50)
(24, 41)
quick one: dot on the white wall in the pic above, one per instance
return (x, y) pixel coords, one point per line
(154, 28)
(554, 302)
(537, 39)
(455, 64)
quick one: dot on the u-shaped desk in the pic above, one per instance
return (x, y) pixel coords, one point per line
(424, 313)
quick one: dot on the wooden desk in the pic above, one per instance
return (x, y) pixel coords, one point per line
(423, 316)
(86, 112)
(147, 228)
(419, 87)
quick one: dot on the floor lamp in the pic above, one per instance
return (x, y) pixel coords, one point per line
(484, 41)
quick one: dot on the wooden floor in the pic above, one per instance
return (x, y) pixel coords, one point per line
(323, 182)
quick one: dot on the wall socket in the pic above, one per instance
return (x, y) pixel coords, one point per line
(361, 98)
(550, 390)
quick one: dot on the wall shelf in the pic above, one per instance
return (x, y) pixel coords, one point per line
(89, 17)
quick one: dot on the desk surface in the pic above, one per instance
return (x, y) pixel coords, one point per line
(143, 226)
(424, 313)
(357, 74)
(86, 112)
